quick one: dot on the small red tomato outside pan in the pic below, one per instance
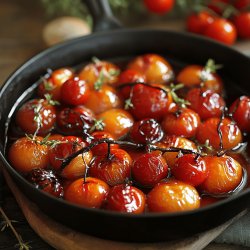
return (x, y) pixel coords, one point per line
(159, 6)
(242, 23)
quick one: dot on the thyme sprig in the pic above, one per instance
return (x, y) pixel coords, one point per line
(179, 101)
(209, 68)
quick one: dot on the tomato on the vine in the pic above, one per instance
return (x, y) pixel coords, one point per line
(159, 6)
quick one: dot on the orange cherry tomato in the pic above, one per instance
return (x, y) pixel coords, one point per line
(173, 196)
(26, 154)
(89, 193)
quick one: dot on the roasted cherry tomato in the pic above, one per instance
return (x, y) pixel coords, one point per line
(75, 120)
(126, 198)
(89, 193)
(130, 76)
(64, 148)
(190, 169)
(99, 73)
(52, 85)
(46, 181)
(242, 23)
(198, 22)
(36, 115)
(159, 6)
(222, 30)
(103, 99)
(240, 111)
(149, 169)
(184, 122)
(26, 154)
(117, 122)
(220, 133)
(173, 196)
(146, 131)
(155, 68)
(224, 175)
(176, 142)
(206, 103)
(74, 92)
(112, 167)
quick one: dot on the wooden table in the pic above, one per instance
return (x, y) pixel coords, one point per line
(21, 27)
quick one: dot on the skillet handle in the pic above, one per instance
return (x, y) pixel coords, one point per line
(103, 18)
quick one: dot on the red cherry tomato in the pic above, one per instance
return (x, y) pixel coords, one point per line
(209, 131)
(190, 169)
(131, 75)
(173, 196)
(222, 30)
(91, 193)
(240, 111)
(242, 23)
(26, 154)
(74, 92)
(126, 198)
(159, 6)
(146, 131)
(184, 122)
(149, 169)
(206, 103)
(224, 174)
(36, 115)
(241, 4)
(113, 169)
(197, 22)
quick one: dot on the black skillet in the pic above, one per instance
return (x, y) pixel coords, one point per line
(179, 48)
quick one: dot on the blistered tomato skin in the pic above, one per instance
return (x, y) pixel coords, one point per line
(74, 92)
(173, 196)
(146, 131)
(149, 169)
(155, 68)
(36, 115)
(75, 120)
(113, 168)
(52, 85)
(206, 103)
(209, 131)
(184, 122)
(126, 198)
(190, 169)
(91, 193)
(117, 122)
(225, 174)
(240, 110)
(26, 154)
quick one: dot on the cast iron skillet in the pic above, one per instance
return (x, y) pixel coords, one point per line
(178, 47)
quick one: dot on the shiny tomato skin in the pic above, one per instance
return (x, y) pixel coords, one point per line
(159, 6)
(222, 30)
(25, 154)
(130, 76)
(126, 198)
(242, 23)
(149, 102)
(206, 103)
(74, 92)
(224, 175)
(67, 146)
(103, 99)
(155, 68)
(52, 85)
(173, 196)
(117, 122)
(190, 169)
(146, 131)
(208, 130)
(197, 22)
(91, 193)
(149, 169)
(114, 169)
(240, 110)
(36, 108)
(73, 120)
(184, 122)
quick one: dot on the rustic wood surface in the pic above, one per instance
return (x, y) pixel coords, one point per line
(21, 27)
